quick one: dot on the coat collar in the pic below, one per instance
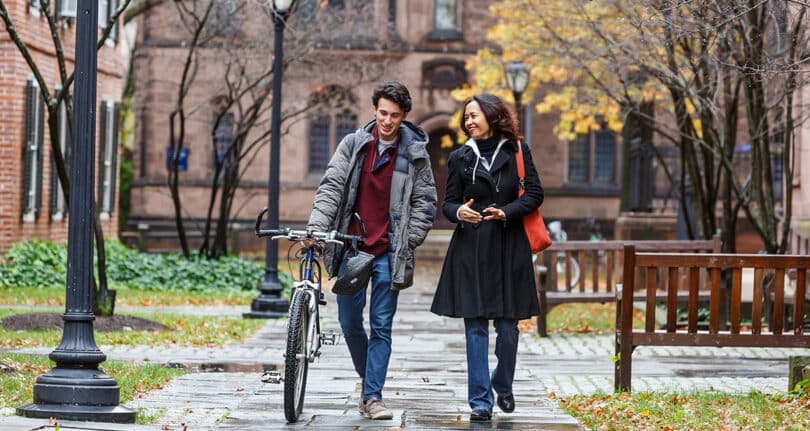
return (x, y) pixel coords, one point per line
(503, 154)
(413, 139)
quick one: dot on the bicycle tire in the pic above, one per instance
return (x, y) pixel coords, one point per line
(295, 362)
(575, 272)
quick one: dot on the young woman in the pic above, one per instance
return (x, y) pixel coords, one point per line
(487, 273)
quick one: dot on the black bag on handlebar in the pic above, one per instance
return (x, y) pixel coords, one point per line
(356, 275)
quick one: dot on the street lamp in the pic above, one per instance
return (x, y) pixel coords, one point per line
(76, 389)
(269, 303)
(517, 78)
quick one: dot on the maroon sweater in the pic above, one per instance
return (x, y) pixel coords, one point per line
(373, 198)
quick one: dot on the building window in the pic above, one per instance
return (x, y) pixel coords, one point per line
(326, 129)
(106, 10)
(578, 159)
(333, 118)
(58, 207)
(319, 141)
(225, 22)
(32, 156)
(223, 138)
(592, 158)
(605, 167)
(446, 21)
(66, 8)
(33, 7)
(108, 157)
(445, 15)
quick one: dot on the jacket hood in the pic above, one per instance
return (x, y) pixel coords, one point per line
(413, 139)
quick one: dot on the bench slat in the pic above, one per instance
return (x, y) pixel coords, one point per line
(672, 299)
(736, 299)
(721, 339)
(779, 301)
(694, 285)
(798, 305)
(650, 308)
(756, 302)
(714, 302)
(723, 260)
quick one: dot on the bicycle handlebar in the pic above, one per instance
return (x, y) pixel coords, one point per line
(300, 235)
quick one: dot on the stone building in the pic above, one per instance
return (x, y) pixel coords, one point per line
(31, 203)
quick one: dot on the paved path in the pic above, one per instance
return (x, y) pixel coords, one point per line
(426, 386)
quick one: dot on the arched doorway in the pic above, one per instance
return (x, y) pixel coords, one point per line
(442, 143)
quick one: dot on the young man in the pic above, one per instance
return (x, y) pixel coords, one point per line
(382, 172)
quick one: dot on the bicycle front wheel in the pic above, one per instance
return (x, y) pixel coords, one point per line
(296, 361)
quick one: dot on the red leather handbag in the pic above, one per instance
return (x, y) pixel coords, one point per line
(533, 222)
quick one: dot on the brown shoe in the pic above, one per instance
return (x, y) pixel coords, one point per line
(376, 410)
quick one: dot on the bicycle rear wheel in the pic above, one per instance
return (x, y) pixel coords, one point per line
(296, 362)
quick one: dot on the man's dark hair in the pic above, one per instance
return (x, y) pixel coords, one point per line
(395, 92)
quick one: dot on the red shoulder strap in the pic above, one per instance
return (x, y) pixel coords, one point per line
(521, 168)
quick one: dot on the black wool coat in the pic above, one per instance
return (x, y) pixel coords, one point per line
(488, 270)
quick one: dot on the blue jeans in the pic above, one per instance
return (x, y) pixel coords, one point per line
(479, 382)
(370, 354)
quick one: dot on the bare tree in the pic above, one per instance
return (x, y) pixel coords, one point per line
(242, 97)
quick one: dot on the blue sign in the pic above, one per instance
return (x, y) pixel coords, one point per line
(182, 161)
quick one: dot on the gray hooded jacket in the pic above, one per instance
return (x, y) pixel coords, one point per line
(412, 205)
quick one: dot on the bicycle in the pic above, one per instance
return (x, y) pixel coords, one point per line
(304, 336)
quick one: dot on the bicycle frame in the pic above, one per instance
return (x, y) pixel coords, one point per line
(308, 283)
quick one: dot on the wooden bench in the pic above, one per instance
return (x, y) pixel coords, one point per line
(705, 272)
(599, 262)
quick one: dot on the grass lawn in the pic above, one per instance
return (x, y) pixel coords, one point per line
(582, 318)
(127, 297)
(689, 411)
(188, 331)
(19, 373)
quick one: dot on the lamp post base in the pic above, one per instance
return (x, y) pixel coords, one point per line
(77, 394)
(269, 304)
(114, 414)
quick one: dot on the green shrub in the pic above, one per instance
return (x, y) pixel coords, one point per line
(39, 263)
(35, 263)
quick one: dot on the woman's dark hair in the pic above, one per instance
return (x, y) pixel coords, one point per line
(395, 92)
(498, 117)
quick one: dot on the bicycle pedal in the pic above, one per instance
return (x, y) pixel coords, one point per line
(272, 376)
(330, 338)
(321, 299)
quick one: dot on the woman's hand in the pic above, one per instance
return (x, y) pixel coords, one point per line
(494, 214)
(465, 213)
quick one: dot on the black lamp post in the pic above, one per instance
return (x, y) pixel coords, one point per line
(517, 78)
(269, 303)
(76, 389)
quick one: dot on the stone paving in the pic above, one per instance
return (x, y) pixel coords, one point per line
(426, 386)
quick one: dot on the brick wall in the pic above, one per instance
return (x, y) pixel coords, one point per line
(14, 73)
